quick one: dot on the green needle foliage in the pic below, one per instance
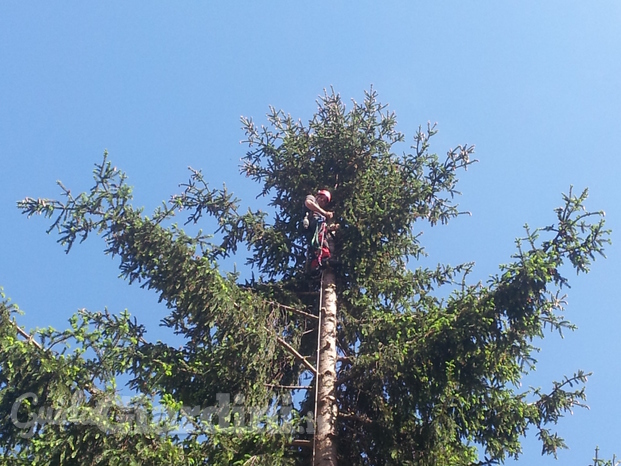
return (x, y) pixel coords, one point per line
(597, 461)
(421, 380)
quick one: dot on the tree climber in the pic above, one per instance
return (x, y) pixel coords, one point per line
(320, 246)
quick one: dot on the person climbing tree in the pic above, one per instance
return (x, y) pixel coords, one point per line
(320, 247)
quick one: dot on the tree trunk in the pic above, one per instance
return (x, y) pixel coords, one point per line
(325, 428)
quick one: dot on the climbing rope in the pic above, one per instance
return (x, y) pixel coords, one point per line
(320, 233)
(317, 363)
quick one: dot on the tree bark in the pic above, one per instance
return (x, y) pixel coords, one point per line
(327, 410)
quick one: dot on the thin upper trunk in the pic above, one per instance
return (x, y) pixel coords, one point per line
(327, 410)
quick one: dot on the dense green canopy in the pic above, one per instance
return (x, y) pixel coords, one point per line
(421, 380)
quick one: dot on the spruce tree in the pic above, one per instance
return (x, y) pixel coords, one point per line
(402, 376)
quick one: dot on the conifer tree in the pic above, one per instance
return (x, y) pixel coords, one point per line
(404, 377)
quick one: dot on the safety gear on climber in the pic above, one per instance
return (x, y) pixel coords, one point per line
(319, 249)
(320, 259)
(319, 244)
(326, 193)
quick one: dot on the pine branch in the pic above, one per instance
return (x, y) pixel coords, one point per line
(286, 308)
(292, 309)
(289, 387)
(26, 335)
(297, 355)
(90, 388)
(356, 417)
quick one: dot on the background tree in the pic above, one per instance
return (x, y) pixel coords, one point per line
(420, 379)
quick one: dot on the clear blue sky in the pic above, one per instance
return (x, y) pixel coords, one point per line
(534, 85)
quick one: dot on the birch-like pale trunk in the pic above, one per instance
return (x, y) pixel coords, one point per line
(327, 410)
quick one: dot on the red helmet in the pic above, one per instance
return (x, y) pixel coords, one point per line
(326, 193)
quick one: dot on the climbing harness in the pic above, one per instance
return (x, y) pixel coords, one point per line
(318, 247)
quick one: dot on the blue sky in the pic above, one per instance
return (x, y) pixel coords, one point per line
(534, 85)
